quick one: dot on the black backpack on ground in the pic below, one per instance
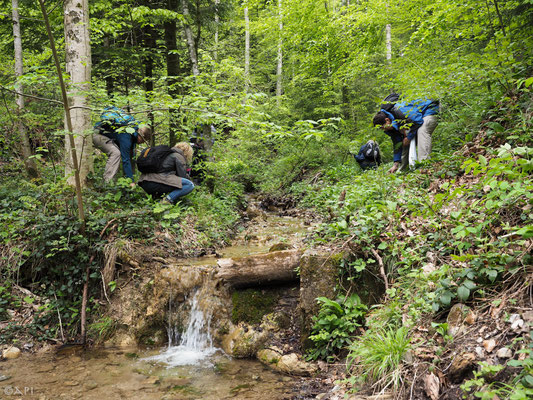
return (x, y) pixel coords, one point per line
(369, 155)
(151, 158)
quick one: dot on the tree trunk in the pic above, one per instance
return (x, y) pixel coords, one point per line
(279, 74)
(78, 66)
(109, 79)
(388, 38)
(217, 23)
(149, 43)
(190, 38)
(173, 69)
(246, 48)
(29, 163)
(262, 269)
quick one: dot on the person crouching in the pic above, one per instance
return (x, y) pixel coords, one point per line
(172, 179)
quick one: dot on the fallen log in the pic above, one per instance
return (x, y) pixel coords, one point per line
(260, 269)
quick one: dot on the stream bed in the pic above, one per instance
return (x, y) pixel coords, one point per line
(111, 373)
(191, 366)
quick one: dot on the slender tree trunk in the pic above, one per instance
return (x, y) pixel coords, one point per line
(246, 47)
(149, 43)
(388, 38)
(190, 38)
(109, 79)
(68, 119)
(78, 66)
(279, 73)
(173, 69)
(217, 23)
(29, 163)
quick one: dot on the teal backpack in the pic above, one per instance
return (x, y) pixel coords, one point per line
(114, 118)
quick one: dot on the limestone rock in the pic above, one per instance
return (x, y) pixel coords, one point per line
(244, 342)
(269, 356)
(11, 353)
(458, 316)
(289, 364)
(504, 352)
(461, 365)
(489, 345)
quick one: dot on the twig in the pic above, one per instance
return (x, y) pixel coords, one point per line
(60, 322)
(381, 267)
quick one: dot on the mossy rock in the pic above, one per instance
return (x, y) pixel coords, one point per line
(250, 305)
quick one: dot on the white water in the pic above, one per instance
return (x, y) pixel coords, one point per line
(195, 346)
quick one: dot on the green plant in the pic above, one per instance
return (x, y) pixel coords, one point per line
(377, 357)
(102, 329)
(335, 325)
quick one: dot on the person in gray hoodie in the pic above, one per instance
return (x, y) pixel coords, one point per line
(172, 179)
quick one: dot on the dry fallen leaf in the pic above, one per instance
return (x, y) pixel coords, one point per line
(432, 386)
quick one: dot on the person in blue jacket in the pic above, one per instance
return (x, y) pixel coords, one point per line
(119, 142)
(405, 122)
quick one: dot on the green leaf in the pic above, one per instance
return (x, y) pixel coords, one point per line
(463, 293)
(529, 82)
(446, 298)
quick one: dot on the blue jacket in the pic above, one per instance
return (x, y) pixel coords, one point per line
(126, 143)
(414, 113)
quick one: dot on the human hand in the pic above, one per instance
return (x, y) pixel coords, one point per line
(406, 142)
(394, 168)
(132, 185)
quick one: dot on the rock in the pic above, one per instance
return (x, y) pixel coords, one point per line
(479, 352)
(244, 342)
(292, 365)
(489, 345)
(90, 385)
(71, 383)
(11, 353)
(432, 386)
(504, 352)
(4, 378)
(279, 247)
(528, 316)
(151, 380)
(269, 356)
(457, 318)
(461, 365)
(318, 278)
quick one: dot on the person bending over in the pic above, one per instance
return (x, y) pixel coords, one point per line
(171, 179)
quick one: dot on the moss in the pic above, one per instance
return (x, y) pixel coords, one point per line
(250, 305)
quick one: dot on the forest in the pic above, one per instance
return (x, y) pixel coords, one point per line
(277, 98)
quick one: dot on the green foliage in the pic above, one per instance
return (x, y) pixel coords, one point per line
(377, 357)
(102, 329)
(335, 325)
(486, 385)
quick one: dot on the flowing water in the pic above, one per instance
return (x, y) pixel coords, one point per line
(190, 367)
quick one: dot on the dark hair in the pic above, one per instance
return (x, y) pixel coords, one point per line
(379, 119)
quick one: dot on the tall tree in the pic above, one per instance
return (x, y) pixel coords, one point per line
(78, 66)
(279, 72)
(29, 162)
(191, 42)
(246, 46)
(173, 70)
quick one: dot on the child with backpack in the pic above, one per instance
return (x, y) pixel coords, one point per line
(407, 121)
(116, 134)
(164, 171)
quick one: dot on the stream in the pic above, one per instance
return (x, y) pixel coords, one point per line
(190, 366)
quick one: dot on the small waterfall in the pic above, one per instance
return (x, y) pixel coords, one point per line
(194, 345)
